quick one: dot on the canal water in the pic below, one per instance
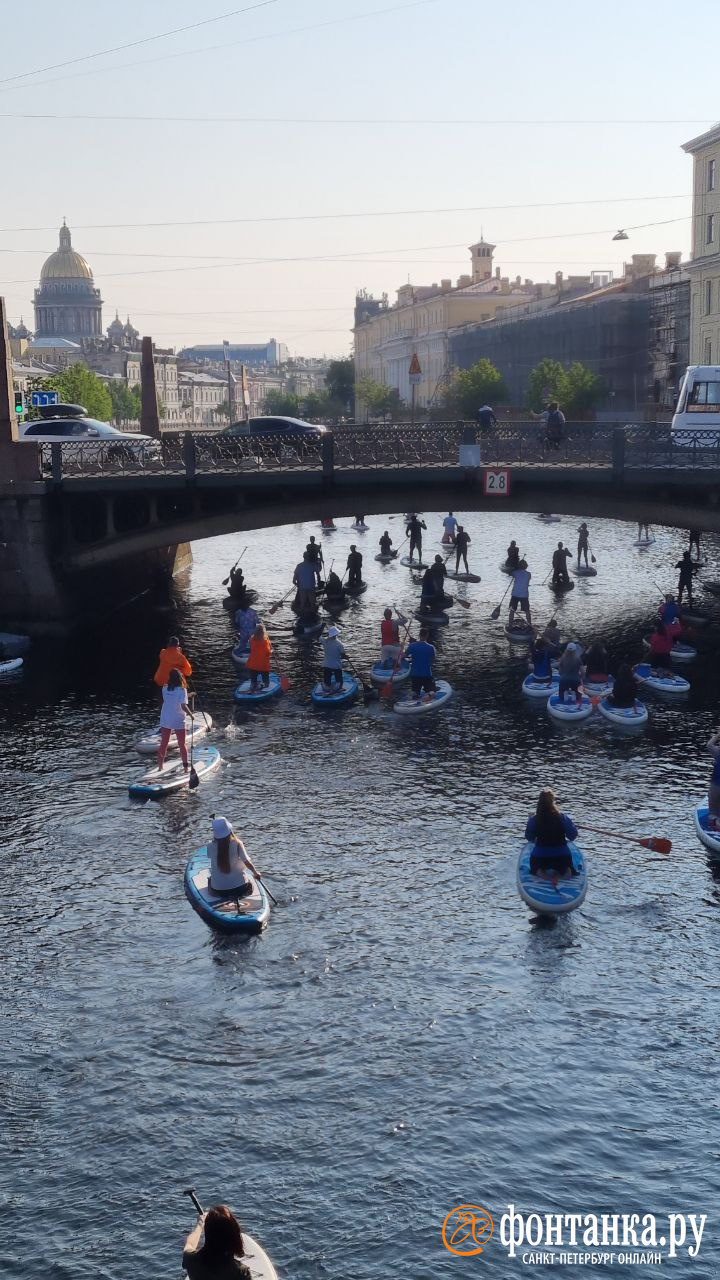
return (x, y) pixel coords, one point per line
(402, 1039)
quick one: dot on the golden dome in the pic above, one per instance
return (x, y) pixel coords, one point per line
(65, 263)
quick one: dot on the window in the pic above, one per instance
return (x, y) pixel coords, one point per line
(708, 297)
(711, 175)
(704, 397)
(708, 360)
(710, 228)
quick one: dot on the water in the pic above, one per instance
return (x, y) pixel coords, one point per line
(402, 1039)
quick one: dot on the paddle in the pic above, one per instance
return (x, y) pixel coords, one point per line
(658, 844)
(270, 895)
(226, 580)
(274, 608)
(387, 688)
(190, 1193)
(194, 779)
(202, 713)
(368, 692)
(496, 611)
(284, 682)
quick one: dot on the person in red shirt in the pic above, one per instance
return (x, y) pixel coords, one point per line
(390, 638)
(661, 644)
(171, 658)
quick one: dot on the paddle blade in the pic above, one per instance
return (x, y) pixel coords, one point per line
(284, 684)
(386, 691)
(593, 559)
(466, 604)
(495, 613)
(194, 780)
(658, 844)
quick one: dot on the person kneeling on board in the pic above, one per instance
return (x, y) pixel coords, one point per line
(625, 689)
(390, 638)
(385, 544)
(512, 558)
(333, 654)
(334, 586)
(258, 664)
(550, 830)
(661, 643)
(221, 1253)
(421, 655)
(175, 708)
(170, 658)
(560, 575)
(595, 661)
(570, 671)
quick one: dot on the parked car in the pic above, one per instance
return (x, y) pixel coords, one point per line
(70, 424)
(273, 426)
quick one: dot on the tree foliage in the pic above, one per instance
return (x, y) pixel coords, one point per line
(546, 382)
(470, 389)
(282, 403)
(576, 388)
(340, 381)
(126, 403)
(378, 399)
(79, 385)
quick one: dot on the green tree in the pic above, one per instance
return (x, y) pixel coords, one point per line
(469, 389)
(547, 381)
(79, 385)
(282, 403)
(584, 389)
(340, 381)
(378, 399)
(125, 402)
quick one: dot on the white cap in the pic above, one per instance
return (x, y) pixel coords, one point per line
(221, 828)
(574, 647)
(333, 632)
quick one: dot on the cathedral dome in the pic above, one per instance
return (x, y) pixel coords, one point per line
(65, 263)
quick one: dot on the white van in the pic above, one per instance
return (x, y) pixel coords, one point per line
(696, 420)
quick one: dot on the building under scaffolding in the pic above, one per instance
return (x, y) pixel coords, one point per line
(669, 332)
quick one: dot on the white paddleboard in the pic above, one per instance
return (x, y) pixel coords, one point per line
(409, 705)
(159, 782)
(148, 743)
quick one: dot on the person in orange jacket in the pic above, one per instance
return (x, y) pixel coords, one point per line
(258, 664)
(171, 658)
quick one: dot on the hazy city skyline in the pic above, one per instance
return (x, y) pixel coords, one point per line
(283, 265)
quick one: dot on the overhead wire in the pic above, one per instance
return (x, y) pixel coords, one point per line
(390, 122)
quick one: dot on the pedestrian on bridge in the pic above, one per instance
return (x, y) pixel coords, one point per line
(554, 424)
(685, 565)
(486, 418)
(413, 531)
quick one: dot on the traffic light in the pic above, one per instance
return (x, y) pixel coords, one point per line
(19, 404)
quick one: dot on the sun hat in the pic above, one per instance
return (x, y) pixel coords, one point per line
(221, 828)
(333, 632)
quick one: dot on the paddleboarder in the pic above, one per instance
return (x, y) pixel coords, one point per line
(258, 664)
(413, 531)
(175, 708)
(694, 535)
(450, 524)
(625, 689)
(570, 670)
(220, 1255)
(539, 663)
(390, 638)
(228, 860)
(595, 661)
(560, 576)
(334, 589)
(512, 559)
(305, 579)
(553, 637)
(333, 654)
(237, 587)
(385, 544)
(669, 615)
(661, 643)
(314, 551)
(171, 657)
(462, 542)
(421, 655)
(685, 565)
(583, 541)
(246, 621)
(549, 830)
(354, 565)
(714, 786)
(643, 537)
(431, 593)
(520, 597)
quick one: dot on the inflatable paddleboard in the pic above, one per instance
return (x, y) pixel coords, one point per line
(11, 667)
(357, 591)
(240, 655)
(505, 568)
(334, 604)
(626, 717)
(382, 559)
(225, 911)
(569, 712)
(307, 630)
(347, 693)
(159, 782)
(519, 635)
(675, 685)
(540, 689)
(713, 587)
(548, 893)
(243, 692)
(413, 564)
(549, 519)
(679, 653)
(408, 704)
(462, 577)
(380, 674)
(599, 687)
(148, 743)
(431, 619)
(360, 528)
(583, 570)
(561, 587)
(711, 839)
(643, 542)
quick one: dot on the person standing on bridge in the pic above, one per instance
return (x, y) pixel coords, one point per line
(354, 565)
(413, 531)
(560, 577)
(304, 578)
(486, 418)
(462, 542)
(583, 541)
(685, 565)
(171, 657)
(554, 425)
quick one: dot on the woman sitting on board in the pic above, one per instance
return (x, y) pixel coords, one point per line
(220, 1255)
(550, 830)
(172, 717)
(625, 689)
(228, 860)
(570, 670)
(333, 586)
(386, 544)
(661, 644)
(595, 661)
(258, 664)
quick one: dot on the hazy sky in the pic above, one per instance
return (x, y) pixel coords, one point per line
(368, 61)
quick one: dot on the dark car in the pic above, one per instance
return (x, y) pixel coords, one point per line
(274, 426)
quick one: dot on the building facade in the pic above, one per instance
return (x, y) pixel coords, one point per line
(250, 354)
(166, 381)
(67, 304)
(201, 397)
(704, 265)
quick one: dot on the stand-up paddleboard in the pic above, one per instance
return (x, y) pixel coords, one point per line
(413, 564)
(643, 543)
(584, 570)
(519, 635)
(599, 688)
(360, 528)
(560, 588)
(334, 604)
(547, 518)
(431, 619)
(380, 674)
(307, 630)
(226, 911)
(386, 559)
(569, 711)
(670, 683)
(505, 568)
(626, 717)
(359, 590)
(548, 893)
(11, 667)
(328, 528)
(160, 782)
(459, 576)
(245, 693)
(696, 617)
(240, 655)
(411, 704)
(710, 838)
(540, 690)
(148, 743)
(338, 697)
(679, 653)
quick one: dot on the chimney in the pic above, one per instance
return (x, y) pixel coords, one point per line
(672, 261)
(446, 285)
(518, 280)
(463, 282)
(558, 279)
(497, 273)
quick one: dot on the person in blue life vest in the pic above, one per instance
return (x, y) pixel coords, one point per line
(421, 655)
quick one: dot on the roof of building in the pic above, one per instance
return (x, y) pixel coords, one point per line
(702, 140)
(65, 263)
(185, 375)
(60, 344)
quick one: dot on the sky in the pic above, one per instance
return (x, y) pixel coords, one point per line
(364, 143)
